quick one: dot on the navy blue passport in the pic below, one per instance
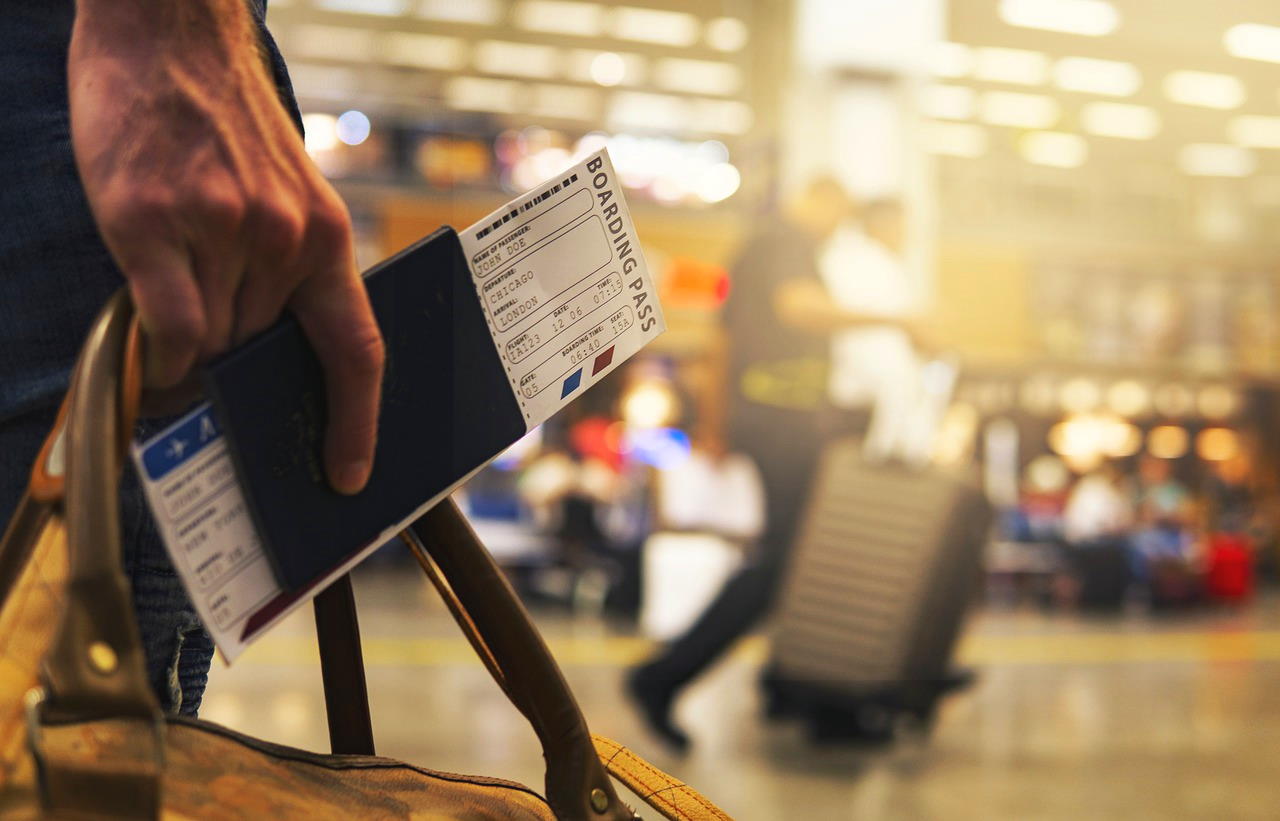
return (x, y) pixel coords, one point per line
(447, 409)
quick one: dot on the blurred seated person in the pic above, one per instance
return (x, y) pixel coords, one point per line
(1043, 497)
(777, 321)
(1235, 527)
(715, 490)
(1096, 524)
(566, 488)
(1164, 527)
(1098, 509)
(708, 514)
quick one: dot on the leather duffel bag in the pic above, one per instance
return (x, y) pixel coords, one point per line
(82, 735)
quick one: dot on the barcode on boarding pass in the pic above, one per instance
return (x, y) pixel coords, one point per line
(530, 203)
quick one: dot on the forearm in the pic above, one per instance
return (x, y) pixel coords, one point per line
(828, 318)
(808, 307)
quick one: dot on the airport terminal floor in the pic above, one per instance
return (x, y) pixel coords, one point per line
(1069, 717)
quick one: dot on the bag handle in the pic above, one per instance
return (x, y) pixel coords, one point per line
(95, 666)
(577, 786)
(500, 630)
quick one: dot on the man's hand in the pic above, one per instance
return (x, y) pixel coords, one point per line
(201, 189)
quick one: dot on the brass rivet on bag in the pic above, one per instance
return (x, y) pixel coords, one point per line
(599, 801)
(103, 658)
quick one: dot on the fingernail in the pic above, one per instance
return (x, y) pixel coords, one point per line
(352, 477)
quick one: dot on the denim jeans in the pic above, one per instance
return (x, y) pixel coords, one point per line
(55, 274)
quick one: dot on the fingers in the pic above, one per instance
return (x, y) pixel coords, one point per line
(218, 272)
(169, 305)
(275, 233)
(215, 212)
(333, 309)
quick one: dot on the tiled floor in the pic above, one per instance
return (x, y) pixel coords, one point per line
(1071, 718)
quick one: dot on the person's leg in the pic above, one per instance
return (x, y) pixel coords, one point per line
(786, 467)
(178, 648)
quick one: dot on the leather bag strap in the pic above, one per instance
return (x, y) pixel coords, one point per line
(95, 667)
(346, 694)
(674, 799)
(506, 640)
(577, 786)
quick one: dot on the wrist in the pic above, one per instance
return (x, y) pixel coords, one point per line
(147, 24)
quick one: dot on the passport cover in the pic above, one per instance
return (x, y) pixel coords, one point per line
(447, 409)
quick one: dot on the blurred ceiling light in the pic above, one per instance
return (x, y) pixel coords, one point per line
(1218, 402)
(668, 28)
(949, 102)
(1123, 440)
(1011, 65)
(697, 76)
(727, 34)
(951, 60)
(330, 42)
(1253, 41)
(642, 110)
(1204, 89)
(429, 51)
(379, 8)
(721, 117)
(1129, 398)
(718, 183)
(1085, 440)
(564, 102)
(353, 127)
(713, 151)
(1130, 122)
(1089, 17)
(1167, 442)
(1111, 78)
(517, 59)
(668, 191)
(1047, 474)
(1080, 395)
(321, 132)
(538, 165)
(954, 139)
(560, 17)
(1216, 160)
(1255, 131)
(1054, 148)
(482, 94)
(479, 12)
(1018, 110)
(1217, 444)
(649, 404)
(608, 69)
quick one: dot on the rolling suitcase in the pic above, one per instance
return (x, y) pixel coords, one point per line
(885, 564)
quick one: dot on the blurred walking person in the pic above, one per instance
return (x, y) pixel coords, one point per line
(778, 320)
